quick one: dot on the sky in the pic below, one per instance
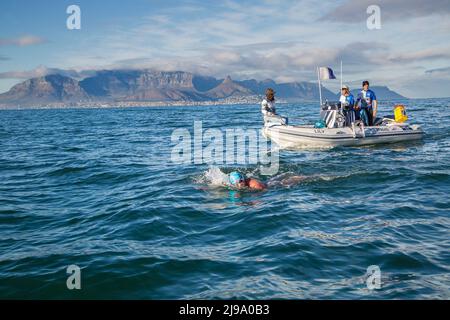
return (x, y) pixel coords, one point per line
(281, 40)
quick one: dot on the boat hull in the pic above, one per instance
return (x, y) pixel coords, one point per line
(299, 136)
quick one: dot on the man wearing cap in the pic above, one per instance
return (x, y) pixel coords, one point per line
(347, 102)
(367, 103)
(268, 104)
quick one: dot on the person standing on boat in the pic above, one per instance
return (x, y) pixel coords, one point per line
(367, 104)
(268, 104)
(347, 102)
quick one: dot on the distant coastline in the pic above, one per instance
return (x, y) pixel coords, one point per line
(137, 88)
(131, 104)
(149, 104)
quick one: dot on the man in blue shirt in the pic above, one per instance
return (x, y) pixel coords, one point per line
(366, 104)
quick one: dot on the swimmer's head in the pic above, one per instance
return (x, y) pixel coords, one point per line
(236, 178)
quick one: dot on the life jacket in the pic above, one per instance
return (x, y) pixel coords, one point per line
(268, 106)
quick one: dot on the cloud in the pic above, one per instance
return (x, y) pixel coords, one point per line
(194, 28)
(363, 53)
(437, 74)
(239, 62)
(445, 70)
(260, 60)
(421, 55)
(41, 71)
(277, 60)
(4, 58)
(282, 40)
(354, 11)
(23, 41)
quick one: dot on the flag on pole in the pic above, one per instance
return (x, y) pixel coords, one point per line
(326, 73)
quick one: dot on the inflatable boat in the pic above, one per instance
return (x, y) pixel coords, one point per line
(335, 133)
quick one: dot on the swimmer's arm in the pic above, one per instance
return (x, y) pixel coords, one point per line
(256, 184)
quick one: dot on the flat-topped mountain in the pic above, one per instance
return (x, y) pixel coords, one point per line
(115, 86)
(126, 84)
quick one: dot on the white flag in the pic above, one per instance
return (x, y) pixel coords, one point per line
(326, 73)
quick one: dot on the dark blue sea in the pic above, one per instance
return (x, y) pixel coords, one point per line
(97, 188)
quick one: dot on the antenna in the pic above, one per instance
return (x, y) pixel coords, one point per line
(320, 87)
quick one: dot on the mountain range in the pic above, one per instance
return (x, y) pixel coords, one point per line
(118, 86)
(381, 92)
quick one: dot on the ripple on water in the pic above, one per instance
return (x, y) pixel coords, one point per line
(97, 188)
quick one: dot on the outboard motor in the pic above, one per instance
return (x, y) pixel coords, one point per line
(332, 115)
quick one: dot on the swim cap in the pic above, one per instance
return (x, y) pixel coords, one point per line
(236, 177)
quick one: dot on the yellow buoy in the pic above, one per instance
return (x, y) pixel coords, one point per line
(400, 113)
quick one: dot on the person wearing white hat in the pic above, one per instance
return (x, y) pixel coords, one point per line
(347, 102)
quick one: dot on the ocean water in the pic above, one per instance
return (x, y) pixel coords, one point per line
(97, 188)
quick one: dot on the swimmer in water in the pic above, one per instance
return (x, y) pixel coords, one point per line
(237, 180)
